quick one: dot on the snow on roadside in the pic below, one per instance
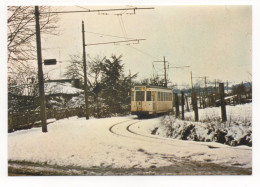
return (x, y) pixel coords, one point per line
(89, 143)
(236, 131)
(77, 142)
(241, 113)
(199, 151)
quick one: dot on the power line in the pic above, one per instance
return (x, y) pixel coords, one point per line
(108, 35)
(97, 10)
(114, 42)
(124, 34)
(121, 17)
(82, 7)
(143, 52)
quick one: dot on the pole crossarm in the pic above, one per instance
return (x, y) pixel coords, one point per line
(98, 10)
(180, 67)
(200, 77)
(136, 40)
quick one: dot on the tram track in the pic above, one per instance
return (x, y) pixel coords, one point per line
(166, 141)
(137, 135)
(113, 126)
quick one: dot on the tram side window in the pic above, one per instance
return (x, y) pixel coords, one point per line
(148, 96)
(132, 95)
(159, 96)
(162, 96)
(139, 96)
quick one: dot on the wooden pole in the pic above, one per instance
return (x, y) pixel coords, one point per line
(195, 107)
(222, 101)
(40, 71)
(187, 104)
(199, 97)
(177, 105)
(182, 105)
(206, 93)
(215, 98)
(165, 76)
(191, 81)
(227, 87)
(85, 71)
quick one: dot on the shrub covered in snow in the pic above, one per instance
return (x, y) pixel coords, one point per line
(233, 132)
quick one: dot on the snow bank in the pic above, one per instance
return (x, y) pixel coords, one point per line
(236, 131)
(77, 142)
(90, 143)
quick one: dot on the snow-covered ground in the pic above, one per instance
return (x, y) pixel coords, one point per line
(117, 142)
(240, 113)
(236, 131)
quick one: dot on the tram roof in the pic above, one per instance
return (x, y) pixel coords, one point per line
(151, 86)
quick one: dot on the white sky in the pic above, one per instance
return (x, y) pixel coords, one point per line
(215, 41)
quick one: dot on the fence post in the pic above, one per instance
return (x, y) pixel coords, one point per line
(10, 123)
(195, 107)
(177, 105)
(222, 102)
(187, 104)
(200, 98)
(182, 105)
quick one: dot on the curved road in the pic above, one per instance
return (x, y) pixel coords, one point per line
(125, 146)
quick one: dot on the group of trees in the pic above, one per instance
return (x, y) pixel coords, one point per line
(108, 86)
(21, 54)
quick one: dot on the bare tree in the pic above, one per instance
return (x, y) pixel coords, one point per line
(23, 88)
(21, 32)
(75, 69)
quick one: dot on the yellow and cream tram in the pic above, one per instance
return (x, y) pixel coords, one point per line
(151, 100)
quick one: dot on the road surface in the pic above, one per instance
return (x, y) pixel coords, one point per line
(125, 146)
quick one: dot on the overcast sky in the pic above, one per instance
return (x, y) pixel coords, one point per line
(215, 41)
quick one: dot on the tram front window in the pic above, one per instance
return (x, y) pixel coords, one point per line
(148, 96)
(139, 96)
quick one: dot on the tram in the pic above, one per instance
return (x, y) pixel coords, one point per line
(151, 100)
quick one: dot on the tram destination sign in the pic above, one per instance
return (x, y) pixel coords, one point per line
(140, 88)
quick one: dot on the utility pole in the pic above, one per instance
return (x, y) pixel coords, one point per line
(227, 87)
(85, 71)
(165, 72)
(40, 71)
(200, 98)
(165, 79)
(206, 91)
(215, 98)
(191, 81)
(39, 56)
